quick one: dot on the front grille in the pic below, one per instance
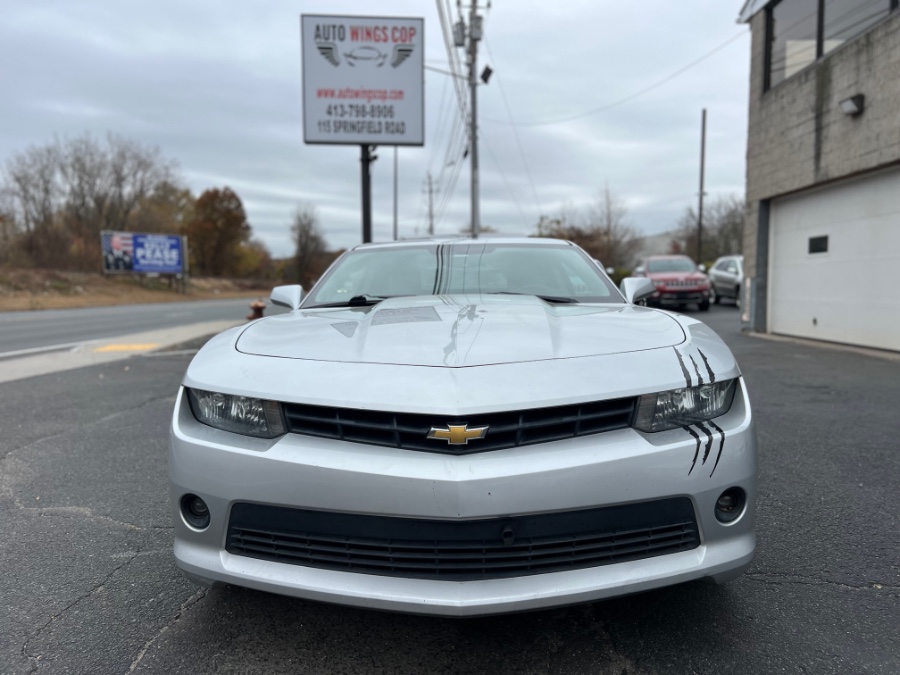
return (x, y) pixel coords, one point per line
(681, 283)
(492, 548)
(505, 429)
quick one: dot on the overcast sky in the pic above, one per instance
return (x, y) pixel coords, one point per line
(217, 87)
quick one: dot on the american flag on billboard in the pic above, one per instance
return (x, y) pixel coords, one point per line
(118, 251)
(118, 241)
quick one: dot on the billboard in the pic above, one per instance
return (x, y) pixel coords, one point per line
(363, 80)
(140, 253)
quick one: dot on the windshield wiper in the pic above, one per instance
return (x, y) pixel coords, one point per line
(545, 298)
(363, 300)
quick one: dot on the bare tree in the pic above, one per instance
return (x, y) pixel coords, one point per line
(62, 194)
(309, 245)
(33, 188)
(723, 227)
(135, 172)
(603, 230)
(615, 239)
(9, 231)
(105, 182)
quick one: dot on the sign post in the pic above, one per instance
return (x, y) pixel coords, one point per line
(363, 84)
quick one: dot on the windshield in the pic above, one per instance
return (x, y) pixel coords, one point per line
(671, 265)
(558, 273)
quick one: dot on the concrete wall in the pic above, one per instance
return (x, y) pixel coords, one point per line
(798, 137)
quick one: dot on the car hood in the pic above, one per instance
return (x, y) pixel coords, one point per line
(460, 331)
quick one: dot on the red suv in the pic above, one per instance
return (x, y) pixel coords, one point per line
(678, 281)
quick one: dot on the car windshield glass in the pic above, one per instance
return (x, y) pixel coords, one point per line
(671, 265)
(557, 273)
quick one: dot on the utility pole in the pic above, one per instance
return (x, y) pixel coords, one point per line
(395, 194)
(474, 37)
(430, 206)
(700, 206)
(367, 156)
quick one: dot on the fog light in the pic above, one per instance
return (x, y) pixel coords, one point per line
(730, 505)
(195, 511)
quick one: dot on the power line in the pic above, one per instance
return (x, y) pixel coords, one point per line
(438, 127)
(506, 182)
(456, 140)
(630, 97)
(447, 192)
(453, 141)
(537, 201)
(447, 31)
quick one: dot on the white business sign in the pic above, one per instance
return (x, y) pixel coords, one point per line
(363, 80)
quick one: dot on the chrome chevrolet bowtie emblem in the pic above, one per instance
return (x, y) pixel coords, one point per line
(458, 434)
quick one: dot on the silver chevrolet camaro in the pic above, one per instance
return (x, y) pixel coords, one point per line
(463, 427)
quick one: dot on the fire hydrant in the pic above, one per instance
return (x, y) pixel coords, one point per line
(256, 309)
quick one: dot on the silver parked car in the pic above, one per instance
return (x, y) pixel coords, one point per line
(726, 276)
(463, 427)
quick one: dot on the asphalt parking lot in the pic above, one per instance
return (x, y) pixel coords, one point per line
(89, 584)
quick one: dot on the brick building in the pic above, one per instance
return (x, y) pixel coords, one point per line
(822, 237)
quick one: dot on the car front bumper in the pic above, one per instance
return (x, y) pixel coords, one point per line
(613, 468)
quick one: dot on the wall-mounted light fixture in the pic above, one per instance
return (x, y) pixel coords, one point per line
(854, 105)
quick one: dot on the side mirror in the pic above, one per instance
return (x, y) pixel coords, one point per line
(610, 270)
(637, 288)
(638, 271)
(287, 296)
(701, 267)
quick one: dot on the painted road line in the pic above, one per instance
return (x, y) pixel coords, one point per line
(128, 348)
(18, 353)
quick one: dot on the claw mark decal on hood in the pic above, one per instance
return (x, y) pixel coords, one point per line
(687, 375)
(721, 445)
(697, 370)
(697, 451)
(709, 440)
(712, 375)
(709, 443)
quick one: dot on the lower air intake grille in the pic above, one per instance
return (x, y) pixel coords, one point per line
(463, 550)
(505, 429)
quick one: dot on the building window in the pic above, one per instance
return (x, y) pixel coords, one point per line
(818, 244)
(845, 19)
(801, 31)
(793, 30)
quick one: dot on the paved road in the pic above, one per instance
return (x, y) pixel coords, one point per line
(88, 584)
(31, 330)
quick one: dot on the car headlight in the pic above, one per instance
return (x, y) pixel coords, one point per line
(659, 284)
(238, 414)
(682, 407)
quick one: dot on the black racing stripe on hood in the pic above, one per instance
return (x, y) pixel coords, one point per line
(697, 451)
(709, 440)
(712, 375)
(721, 445)
(697, 370)
(687, 375)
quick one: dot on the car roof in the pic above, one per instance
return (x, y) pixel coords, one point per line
(463, 239)
(672, 256)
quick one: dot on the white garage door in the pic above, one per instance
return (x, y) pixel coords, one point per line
(834, 263)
